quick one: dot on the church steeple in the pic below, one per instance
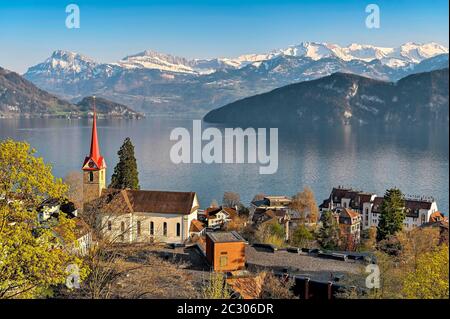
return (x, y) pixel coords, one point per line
(94, 166)
(94, 160)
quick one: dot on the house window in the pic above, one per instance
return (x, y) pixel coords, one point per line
(91, 177)
(122, 231)
(178, 229)
(152, 228)
(109, 225)
(164, 229)
(138, 227)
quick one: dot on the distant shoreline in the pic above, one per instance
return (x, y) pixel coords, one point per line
(71, 116)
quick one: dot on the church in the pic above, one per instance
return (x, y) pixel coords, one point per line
(128, 216)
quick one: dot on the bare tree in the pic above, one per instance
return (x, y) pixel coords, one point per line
(231, 199)
(214, 203)
(277, 288)
(74, 180)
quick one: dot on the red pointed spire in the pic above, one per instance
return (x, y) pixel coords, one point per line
(95, 149)
(94, 154)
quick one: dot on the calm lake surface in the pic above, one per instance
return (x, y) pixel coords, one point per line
(371, 159)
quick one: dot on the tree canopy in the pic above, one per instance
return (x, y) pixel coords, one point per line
(33, 257)
(305, 203)
(430, 278)
(125, 174)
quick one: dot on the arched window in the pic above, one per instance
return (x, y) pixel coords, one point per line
(178, 229)
(91, 177)
(165, 229)
(152, 228)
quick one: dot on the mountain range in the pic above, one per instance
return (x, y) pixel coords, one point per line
(19, 97)
(420, 98)
(155, 82)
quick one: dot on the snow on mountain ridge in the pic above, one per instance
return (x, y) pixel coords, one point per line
(62, 61)
(403, 56)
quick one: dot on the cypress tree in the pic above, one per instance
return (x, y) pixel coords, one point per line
(125, 173)
(392, 214)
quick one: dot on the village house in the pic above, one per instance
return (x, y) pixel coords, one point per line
(418, 210)
(282, 217)
(270, 203)
(273, 208)
(129, 216)
(349, 224)
(219, 216)
(197, 228)
(48, 215)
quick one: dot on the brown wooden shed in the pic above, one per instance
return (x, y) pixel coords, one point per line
(225, 251)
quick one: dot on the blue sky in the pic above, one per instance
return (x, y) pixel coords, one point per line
(110, 30)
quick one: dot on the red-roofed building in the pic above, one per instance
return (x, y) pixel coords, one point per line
(350, 224)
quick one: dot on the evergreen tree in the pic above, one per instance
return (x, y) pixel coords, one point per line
(328, 236)
(392, 214)
(302, 236)
(125, 173)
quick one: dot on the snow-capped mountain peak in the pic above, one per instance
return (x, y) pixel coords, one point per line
(313, 50)
(418, 52)
(62, 61)
(150, 59)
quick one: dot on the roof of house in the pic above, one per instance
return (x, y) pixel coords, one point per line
(262, 216)
(81, 227)
(337, 193)
(211, 211)
(230, 211)
(131, 201)
(278, 198)
(196, 226)
(412, 206)
(436, 216)
(247, 287)
(225, 237)
(261, 202)
(325, 204)
(349, 212)
(357, 198)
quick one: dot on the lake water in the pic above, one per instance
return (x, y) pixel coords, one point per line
(371, 159)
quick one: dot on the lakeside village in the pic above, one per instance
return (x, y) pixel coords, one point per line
(124, 242)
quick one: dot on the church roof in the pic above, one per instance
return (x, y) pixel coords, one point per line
(133, 201)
